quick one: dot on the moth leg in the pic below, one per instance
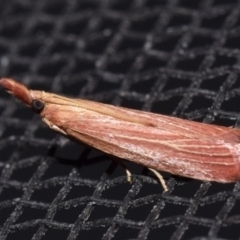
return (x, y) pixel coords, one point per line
(160, 178)
(128, 173)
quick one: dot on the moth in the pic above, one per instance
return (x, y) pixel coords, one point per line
(161, 143)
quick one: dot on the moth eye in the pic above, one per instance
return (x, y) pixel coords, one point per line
(37, 106)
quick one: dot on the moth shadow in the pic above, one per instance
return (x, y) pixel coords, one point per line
(94, 161)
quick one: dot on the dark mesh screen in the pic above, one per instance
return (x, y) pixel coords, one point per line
(179, 58)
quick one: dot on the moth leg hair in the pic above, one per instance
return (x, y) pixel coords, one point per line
(160, 178)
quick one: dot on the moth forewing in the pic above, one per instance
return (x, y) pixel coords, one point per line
(154, 147)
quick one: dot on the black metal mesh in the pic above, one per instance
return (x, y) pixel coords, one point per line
(174, 57)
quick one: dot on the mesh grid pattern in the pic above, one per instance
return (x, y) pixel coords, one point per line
(173, 57)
